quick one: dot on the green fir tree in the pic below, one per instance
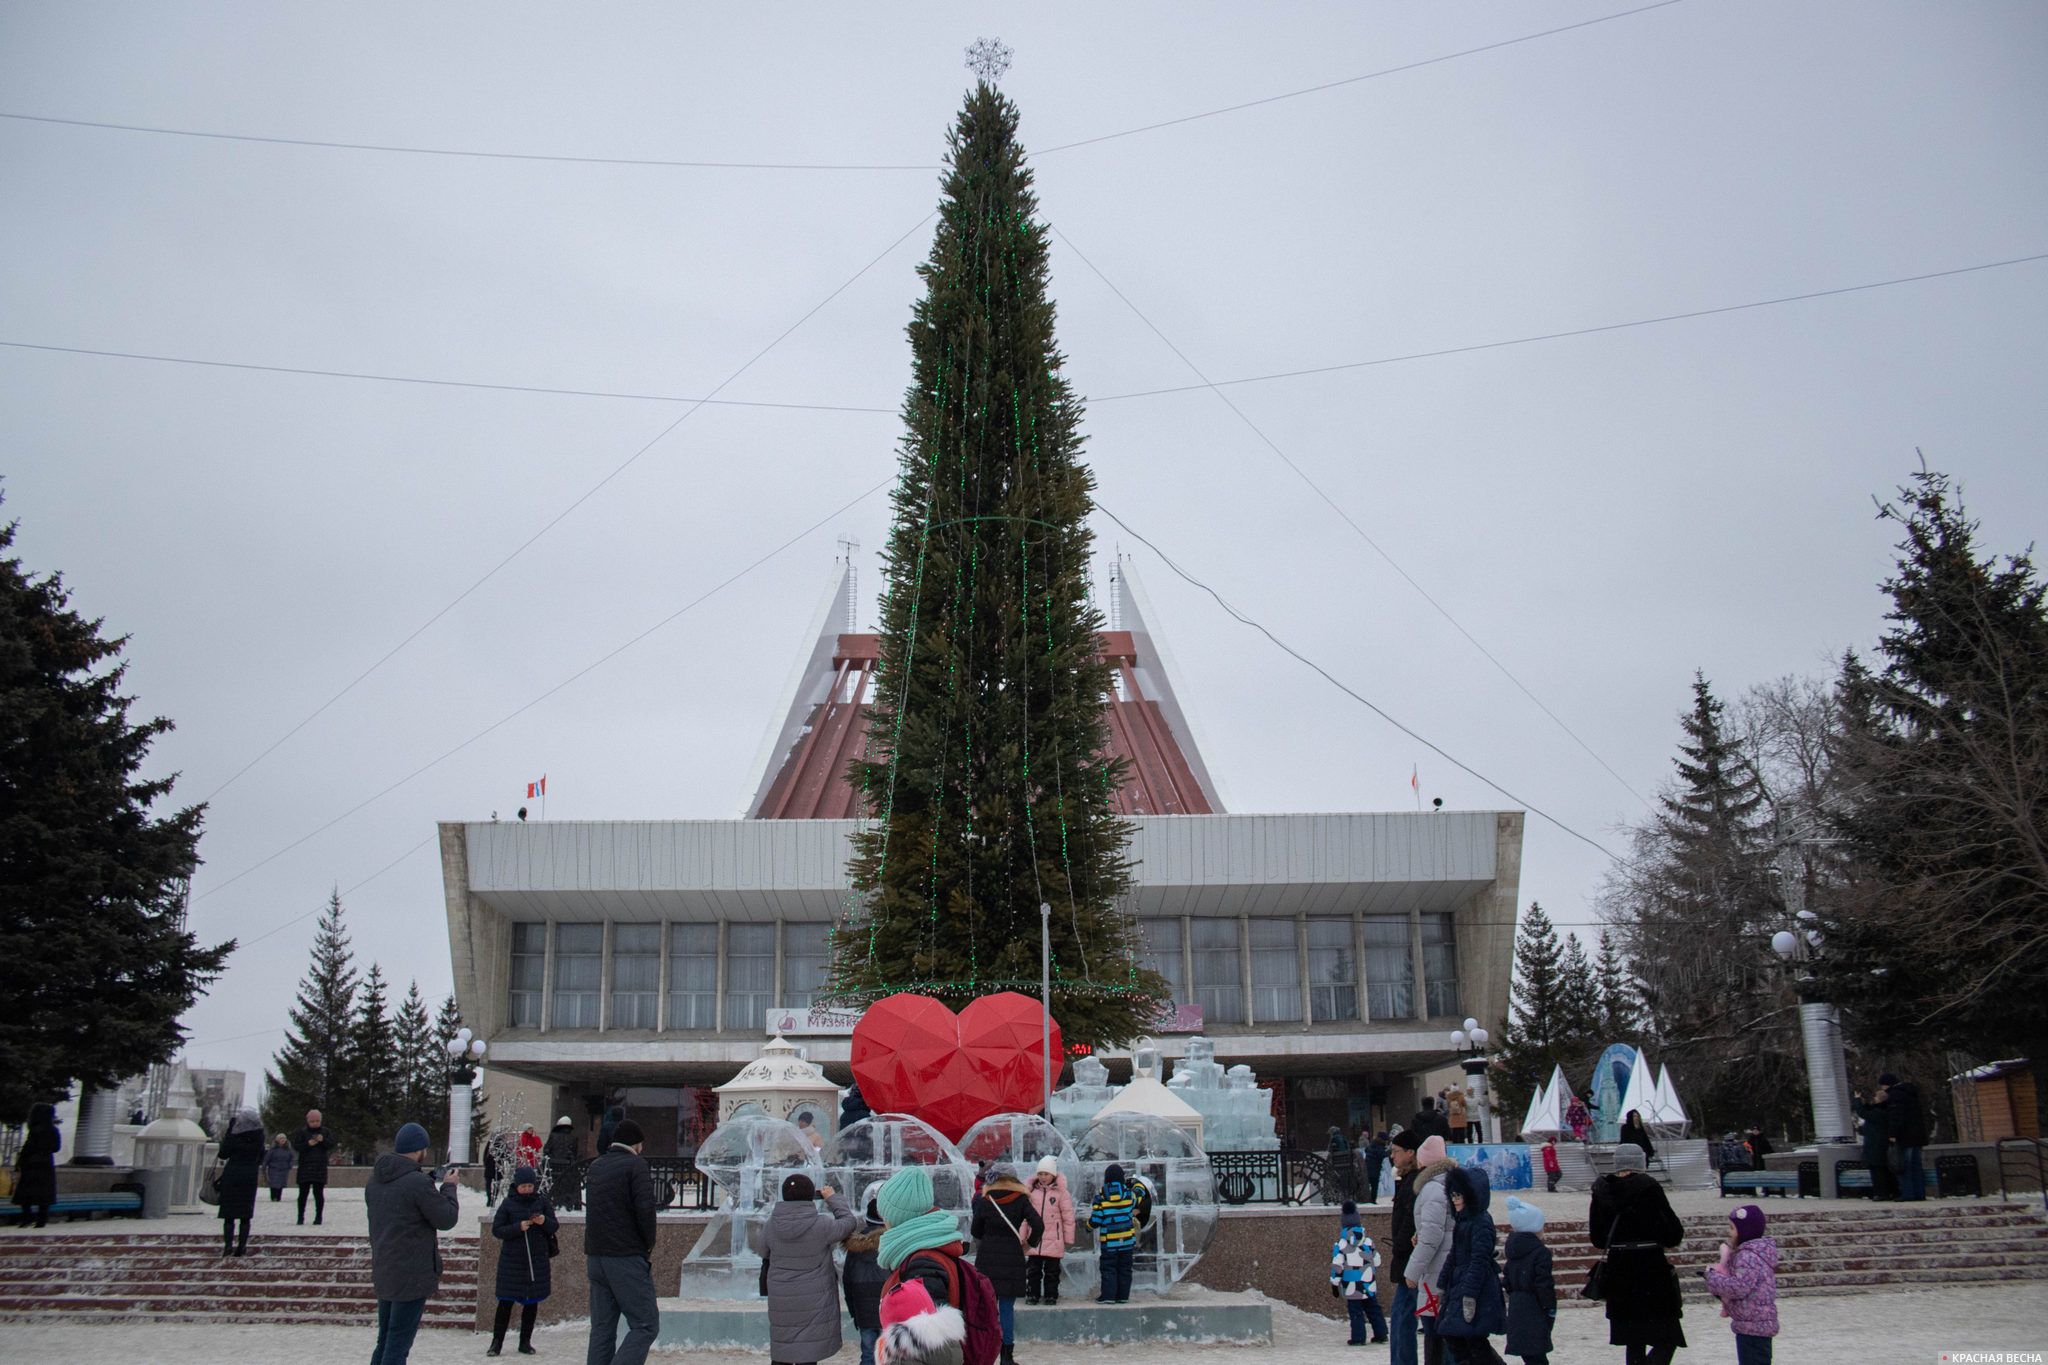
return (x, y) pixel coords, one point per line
(96, 965)
(312, 1069)
(1619, 1015)
(447, 1023)
(422, 1066)
(372, 1104)
(986, 772)
(1532, 1040)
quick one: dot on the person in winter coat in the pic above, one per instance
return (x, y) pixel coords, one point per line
(1877, 1144)
(1473, 1309)
(525, 1223)
(803, 1285)
(1578, 1118)
(618, 1251)
(561, 1155)
(1531, 1291)
(1005, 1228)
(527, 1149)
(917, 1331)
(1746, 1283)
(1433, 1228)
(860, 1279)
(1428, 1123)
(408, 1210)
(241, 1154)
(1632, 1130)
(1759, 1148)
(35, 1167)
(278, 1160)
(1054, 1204)
(1373, 1156)
(1632, 1222)
(1114, 1216)
(1908, 1133)
(310, 1143)
(923, 1240)
(1354, 1272)
(1401, 1325)
(1552, 1171)
(1456, 1113)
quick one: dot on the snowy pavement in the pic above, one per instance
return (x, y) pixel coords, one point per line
(1854, 1329)
(347, 1216)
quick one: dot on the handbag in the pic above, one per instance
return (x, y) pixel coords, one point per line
(209, 1185)
(1596, 1278)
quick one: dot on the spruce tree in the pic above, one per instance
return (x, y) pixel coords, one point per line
(1618, 1014)
(96, 965)
(376, 1071)
(422, 1066)
(1941, 934)
(447, 1023)
(986, 772)
(312, 1069)
(1578, 999)
(1530, 1040)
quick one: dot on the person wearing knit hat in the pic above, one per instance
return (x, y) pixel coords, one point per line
(408, 1211)
(802, 1282)
(923, 1241)
(1354, 1277)
(1434, 1228)
(618, 1247)
(559, 1151)
(525, 1224)
(1632, 1221)
(1402, 1322)
(1531, 1288)
(1745, 1280)
(1053, 1202)
(917, 1331)
(1114, 1216)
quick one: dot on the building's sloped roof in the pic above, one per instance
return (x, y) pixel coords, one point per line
(825, 728)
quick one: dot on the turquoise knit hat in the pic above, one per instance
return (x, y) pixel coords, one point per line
(904, 1195)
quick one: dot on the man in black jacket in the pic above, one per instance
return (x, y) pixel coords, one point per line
(1401, 1321)
(1429, 1122)
(311, 1145)
(408, 1210)
(1908, 1134)
(618, 1247)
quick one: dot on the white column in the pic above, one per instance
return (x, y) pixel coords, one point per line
(459, 1101)
(1827, 1080)
(93, 1143)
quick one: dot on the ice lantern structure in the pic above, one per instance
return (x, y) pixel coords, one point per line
(782, 1085)
(1166, 1157)
(747, 1157)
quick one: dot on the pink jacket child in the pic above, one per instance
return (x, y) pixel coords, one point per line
(1055, 1205)
(1746, 1280)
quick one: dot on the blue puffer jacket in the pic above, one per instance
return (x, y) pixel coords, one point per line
(1473, 1306)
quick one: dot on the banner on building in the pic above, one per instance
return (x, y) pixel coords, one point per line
(812, 1022)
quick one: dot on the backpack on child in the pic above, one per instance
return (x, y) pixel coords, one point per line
(970, 1291)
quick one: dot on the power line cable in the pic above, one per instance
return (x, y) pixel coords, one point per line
(1559, 336)
(514, 714)
(438, 383)
(1354, 80)
(1360, 531)
(562, 515)
(1348, 691)
(332, 145)
(347, 891)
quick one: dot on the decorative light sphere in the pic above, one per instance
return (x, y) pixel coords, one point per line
(1783, 943)
(1457, 1037)
(465, 1035)
(454, 1047)
(476, 1048)
(1471, 1024)
(1479, 1037)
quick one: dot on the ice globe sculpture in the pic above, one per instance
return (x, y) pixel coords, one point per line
(1166, 1158)
(1020, 1140)
(862, 1155)
(747, 1158)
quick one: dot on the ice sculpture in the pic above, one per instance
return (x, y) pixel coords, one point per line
(1075, 1107)
(1020, 1140)
(862, 1155)
(747, 1157)
(1183, 1185)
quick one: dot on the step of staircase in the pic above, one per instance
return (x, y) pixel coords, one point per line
(183, 1278)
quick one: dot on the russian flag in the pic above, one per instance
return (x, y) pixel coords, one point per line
(540, 788)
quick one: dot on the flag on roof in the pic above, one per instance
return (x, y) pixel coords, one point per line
(540, 788)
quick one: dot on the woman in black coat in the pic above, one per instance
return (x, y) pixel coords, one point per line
(35, 1167)
(525, 1222)
(1632, 1130)
(1632, 1221)
(1002, 1226)
(241, 1153)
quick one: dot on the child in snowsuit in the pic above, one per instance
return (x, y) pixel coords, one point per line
(1114, 1216)
(915, 1332)
(1532, 1293)
(1552, 1172)
(1055, 1206)
(1746, 1283)
(1354, 1263)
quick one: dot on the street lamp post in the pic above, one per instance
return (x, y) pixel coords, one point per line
(1820, 1033)
(1045, 993)
(465, 1054)
(1471, 1040)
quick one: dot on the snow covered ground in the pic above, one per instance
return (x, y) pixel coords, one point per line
(1849, 1330)
(346, 1217)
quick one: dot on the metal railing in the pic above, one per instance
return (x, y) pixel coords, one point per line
(2026, 1155)
(1286, 1176)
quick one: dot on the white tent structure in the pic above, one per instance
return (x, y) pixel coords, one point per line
(1546, 1106)
(1147, 1094)
(1666, 1114)
(1640, 1094)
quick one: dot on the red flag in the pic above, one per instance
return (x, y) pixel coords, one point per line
(1414, 781)
(539, 788)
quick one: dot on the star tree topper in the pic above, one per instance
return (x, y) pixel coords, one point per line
(988, 58)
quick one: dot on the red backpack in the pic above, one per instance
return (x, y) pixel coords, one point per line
(968, 1290)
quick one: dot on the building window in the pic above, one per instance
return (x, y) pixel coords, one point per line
(579, 974)
(529, 973)
(1159, 951)
(749, 975)
(693, 976)
(1219, 971)
(803, 963)
(1389, 968)
(1276, 972)
(636, 974)
(1439, 966)
(1332, 970)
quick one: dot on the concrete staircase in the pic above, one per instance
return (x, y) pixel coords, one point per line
(1847, 1248)
(179, 1278)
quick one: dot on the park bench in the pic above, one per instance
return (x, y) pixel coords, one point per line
(73, 1206)
(1760, 1183)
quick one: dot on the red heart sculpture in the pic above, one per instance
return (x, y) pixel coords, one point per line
(912, 1055)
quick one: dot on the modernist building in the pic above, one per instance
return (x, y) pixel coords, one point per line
(1334, 953)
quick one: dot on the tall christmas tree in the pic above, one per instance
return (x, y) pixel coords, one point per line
(373, 1102)
(313, 1065)
(422, 1065)
(987, 772)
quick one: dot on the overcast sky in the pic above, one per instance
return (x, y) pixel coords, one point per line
(1604, 513)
